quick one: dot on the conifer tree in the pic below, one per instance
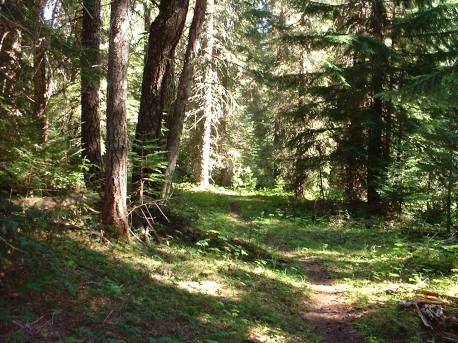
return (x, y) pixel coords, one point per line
(90, 84)
(39, 64)
(115, 208)
(164, 34)
(208, 102)
(178, 113)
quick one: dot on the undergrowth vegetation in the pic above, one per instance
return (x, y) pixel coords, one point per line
(228, 268)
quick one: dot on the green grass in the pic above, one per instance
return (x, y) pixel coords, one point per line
(234, 274)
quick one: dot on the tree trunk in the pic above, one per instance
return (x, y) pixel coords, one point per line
(210, 75)
(375, 161)
(451, 169)
(90, 85)
(39, 76)
(114, 209)
(10, 49)
(164, 35)
(184, 92)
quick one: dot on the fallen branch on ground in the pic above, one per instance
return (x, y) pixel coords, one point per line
(436, 316)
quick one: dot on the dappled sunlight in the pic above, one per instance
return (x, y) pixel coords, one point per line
(264, 334)
(291, 280)
(207, 287)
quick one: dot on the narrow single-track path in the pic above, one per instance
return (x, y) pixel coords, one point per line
(331, 314)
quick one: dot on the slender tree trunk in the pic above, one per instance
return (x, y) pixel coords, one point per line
(164, 35)
(205, 159)
(450, 174)
(39, 77)
(401, 119)
(223, 137)
(184, 92)
(210, 75)
(375, 162)
(90, 84)
(115, 209)
(276, 172)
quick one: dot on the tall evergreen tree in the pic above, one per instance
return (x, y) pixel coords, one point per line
(115, 208)
(208, 102)
(164, 35)
(90, 84)
(185, 84)
(39, 64)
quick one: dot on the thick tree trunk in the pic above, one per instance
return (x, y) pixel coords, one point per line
(185, 84)
(10, 47)
(90, 85)
(210, 75)
(114, 209)
(39, 76)
(164, 35)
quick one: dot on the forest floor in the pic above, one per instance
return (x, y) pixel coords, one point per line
(245, 268)
(330, 311)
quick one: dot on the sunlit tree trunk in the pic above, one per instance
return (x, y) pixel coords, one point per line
(164, 35)
(183, 93)
(115, 209)
(10, 88)
(210, 75)
(10, 49)
(39, 76)
(90, 84)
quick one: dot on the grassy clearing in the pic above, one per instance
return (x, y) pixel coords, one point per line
(228, 270)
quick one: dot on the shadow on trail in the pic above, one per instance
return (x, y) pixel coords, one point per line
(62, 288)
(58, 288)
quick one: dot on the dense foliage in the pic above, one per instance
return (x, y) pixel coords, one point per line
(326, 133)
(335, 100)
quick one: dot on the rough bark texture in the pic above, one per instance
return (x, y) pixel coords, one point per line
(10, 47)
(205, 168)
(114, 209)
(185, 84)
(164, 35)
(90, 84)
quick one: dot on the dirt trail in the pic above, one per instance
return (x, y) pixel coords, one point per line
(330, 313)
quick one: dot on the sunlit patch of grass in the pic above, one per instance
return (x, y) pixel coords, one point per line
(204, 288)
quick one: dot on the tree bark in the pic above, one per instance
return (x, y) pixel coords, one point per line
(114, 211)
(185, 85)
(165, 32)
(90, 85)
(205, 168)
(10, 49)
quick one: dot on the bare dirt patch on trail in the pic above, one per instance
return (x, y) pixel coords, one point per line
(330, 312)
